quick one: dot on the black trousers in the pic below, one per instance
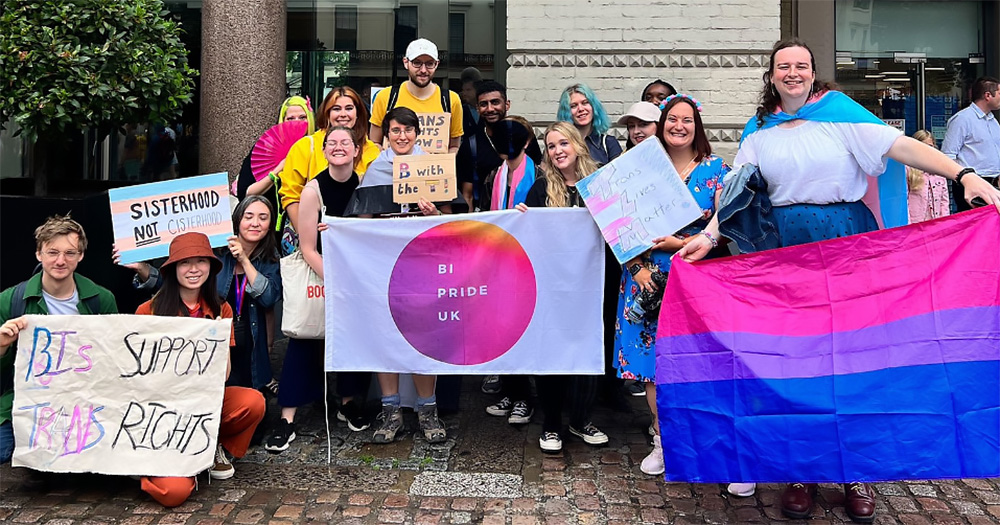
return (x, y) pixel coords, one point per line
(552, 393)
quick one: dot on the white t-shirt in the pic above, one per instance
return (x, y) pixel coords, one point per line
(66, 306)
(818, 162)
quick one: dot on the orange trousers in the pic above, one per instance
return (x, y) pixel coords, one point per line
(242, 410)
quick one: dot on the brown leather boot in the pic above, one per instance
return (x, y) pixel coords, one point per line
(859, 502)
(797, 500)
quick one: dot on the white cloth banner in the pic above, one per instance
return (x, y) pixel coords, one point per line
(119, 394)
(488, 293)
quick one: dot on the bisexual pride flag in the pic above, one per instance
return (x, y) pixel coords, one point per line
(868, 358)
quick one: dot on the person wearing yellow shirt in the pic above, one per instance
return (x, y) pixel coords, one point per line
(419, 93)
(341, 107)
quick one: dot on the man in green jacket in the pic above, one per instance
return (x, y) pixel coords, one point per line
(57, 290)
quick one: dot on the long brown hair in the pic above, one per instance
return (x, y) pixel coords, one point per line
(360, 126)
(167, 301)
(556, 195)
(769, 97)
(267, 248)
(700, 145)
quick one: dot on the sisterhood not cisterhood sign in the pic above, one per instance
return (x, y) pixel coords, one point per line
(497, 292)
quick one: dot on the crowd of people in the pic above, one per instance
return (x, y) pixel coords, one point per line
(813, 145)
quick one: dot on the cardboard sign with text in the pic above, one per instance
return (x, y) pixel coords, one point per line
(435, 132)
(432, 177)
(146, 217)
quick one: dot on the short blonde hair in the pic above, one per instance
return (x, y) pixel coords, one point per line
(57, 225)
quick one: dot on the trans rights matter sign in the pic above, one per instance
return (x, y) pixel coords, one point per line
(119, 394)
(146, 217)
(490, 293)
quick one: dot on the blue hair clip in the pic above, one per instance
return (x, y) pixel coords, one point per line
(697, 105)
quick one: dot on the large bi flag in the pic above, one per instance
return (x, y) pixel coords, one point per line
(497, 292)
(868, 358)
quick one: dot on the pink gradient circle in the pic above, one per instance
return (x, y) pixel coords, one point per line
(436, 292)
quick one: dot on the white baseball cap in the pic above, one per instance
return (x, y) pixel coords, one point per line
(644, 111)
(421, 46)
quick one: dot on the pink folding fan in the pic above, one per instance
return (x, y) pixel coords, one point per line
(273, 146)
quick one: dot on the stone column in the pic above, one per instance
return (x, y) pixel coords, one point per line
(242, 78)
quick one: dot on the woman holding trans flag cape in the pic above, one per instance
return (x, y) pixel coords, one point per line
(681, 132)
(814, 147)
(189, 290)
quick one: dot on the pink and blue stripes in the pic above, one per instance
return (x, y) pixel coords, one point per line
(872, 357)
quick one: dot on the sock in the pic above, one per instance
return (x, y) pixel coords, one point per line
(421, 401)
(392, 400)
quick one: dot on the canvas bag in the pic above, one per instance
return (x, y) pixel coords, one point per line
(303, 315)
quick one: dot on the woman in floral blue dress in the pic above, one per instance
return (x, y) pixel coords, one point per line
(681, 132)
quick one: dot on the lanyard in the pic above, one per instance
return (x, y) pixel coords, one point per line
(241, 286)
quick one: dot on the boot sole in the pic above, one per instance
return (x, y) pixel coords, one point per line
(795, 515)
(860, 519)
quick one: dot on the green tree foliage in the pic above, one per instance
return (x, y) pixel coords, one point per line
(73, 64)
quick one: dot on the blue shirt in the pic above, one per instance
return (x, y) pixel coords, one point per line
(973, 140)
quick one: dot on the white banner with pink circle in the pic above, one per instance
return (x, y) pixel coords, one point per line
(488, 293)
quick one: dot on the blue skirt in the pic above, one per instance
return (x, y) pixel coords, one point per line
(802, 223)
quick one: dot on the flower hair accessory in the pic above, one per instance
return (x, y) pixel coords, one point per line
(697, 105)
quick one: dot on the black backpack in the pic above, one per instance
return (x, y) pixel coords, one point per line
(394, 97)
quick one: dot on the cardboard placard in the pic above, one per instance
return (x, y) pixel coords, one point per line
(435, 132)
(119, 394)
(146, 217)
(432, 177)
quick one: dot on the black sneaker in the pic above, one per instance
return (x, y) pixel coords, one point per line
(550, 442)
(636, 389)
(500, 409)
(492, 384)
(353, 413)
(520, 414)
(589, 434)
(283, 434)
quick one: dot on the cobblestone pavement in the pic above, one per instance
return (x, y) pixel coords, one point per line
(487, 472)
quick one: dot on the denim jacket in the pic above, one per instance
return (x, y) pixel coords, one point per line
(264, 293)
(745, 214)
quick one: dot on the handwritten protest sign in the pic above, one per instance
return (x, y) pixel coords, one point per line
(119, 394)
(636, 198)
(146, 217)
(431, 177)
(435, 132)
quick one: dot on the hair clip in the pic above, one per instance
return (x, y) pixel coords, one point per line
(309, 106)
(697, 105)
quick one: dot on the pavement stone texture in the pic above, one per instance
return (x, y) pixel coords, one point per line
(486, 472)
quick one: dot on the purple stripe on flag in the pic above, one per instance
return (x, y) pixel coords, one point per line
(945, 336)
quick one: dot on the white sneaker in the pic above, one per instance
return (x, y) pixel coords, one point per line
(653, 463)
(550, 442)
(742, 490)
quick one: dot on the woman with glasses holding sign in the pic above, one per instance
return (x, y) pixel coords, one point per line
(681, 132)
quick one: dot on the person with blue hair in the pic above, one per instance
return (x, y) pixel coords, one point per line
(580, 106)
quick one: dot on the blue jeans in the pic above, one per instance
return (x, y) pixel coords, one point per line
(6, 442)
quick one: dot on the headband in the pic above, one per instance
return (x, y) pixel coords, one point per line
(697, 105)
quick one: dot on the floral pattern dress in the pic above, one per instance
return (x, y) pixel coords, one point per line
(635, 343)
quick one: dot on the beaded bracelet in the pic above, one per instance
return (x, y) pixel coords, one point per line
(715, 243)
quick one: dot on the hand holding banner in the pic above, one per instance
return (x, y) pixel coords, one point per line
(146, 217)
(119, 394)
(636, 198)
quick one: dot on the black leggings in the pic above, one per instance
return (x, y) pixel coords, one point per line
(552, 391)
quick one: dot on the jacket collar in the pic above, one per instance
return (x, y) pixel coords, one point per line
(84, 286)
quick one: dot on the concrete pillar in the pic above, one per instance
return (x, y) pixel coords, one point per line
(818, 27)
(242, 78)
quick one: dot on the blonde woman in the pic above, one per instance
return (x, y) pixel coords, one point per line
(566, 161)
(928, 196)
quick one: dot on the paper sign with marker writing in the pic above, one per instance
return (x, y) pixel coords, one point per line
(119, 394)
(146, 217)
(435, 132)
(431, 177)
(636, 198)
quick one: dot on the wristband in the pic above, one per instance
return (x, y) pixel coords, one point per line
(635, 269)
(715, 243)
(964, 172)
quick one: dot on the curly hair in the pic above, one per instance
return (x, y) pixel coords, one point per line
(769, 97)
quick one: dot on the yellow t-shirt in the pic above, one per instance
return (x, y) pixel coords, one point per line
(431, 104)
(306, 159)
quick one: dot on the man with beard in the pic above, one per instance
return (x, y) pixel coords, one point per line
(419, 93)
(478, 158)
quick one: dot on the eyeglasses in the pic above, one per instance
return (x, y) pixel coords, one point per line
(429, 65)
(346, 143)
(70, 255)
(399, 131)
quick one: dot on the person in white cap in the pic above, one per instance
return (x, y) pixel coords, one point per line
(640, 121)
(419, 93)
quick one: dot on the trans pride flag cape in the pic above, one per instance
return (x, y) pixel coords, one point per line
(886, 195)
(868, 358)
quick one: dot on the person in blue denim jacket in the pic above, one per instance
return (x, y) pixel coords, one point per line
(250, 281)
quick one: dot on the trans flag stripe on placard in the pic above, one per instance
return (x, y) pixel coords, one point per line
(869, 358)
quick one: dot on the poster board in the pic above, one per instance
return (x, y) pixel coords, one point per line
(636, 198)
(432, 177)
(146, 217)
(435, 132)
(119, 394)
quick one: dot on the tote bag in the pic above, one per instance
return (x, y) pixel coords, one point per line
(303, 315)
